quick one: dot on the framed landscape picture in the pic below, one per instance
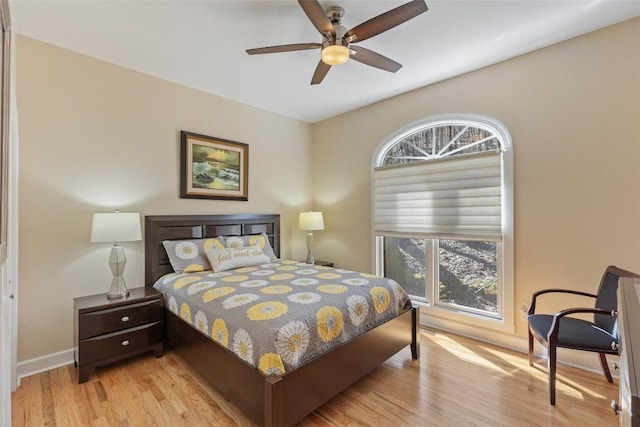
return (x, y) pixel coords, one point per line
(213, 168)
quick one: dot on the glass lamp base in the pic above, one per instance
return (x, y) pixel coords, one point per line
(117, 262)
(118, 289)
(310, 242)
(310, 258)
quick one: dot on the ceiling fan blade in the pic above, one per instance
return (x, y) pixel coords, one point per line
(374, 59)
(318, 17)
(284, 48)
(321, 70)
(386, 21)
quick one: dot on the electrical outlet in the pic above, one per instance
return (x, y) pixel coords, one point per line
(523, 312)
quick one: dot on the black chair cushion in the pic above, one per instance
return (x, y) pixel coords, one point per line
(574, 333)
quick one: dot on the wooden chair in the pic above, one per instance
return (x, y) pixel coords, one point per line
(562, 330)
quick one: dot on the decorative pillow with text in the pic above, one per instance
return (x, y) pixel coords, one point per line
(230, 258)
(261, 240)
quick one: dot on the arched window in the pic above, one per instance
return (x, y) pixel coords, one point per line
(442, 215)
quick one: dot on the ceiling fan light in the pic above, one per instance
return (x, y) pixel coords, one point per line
(335, 54)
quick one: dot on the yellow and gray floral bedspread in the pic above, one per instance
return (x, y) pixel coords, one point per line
(278, 316)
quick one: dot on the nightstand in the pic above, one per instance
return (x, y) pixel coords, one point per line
(105, 331)
(324, 263)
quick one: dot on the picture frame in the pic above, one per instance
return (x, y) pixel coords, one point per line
(213, 168)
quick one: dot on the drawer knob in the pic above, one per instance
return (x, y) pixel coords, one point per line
(125, 319)
(615, 346)
(615, 406)
(616, 366)
(125, 342)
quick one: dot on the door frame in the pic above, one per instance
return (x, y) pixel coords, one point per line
(8, 217)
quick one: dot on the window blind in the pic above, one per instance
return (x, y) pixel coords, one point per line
(454, 197)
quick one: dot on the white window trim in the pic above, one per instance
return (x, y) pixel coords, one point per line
(438, 316)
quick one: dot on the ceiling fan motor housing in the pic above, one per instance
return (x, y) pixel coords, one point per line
(335, 14)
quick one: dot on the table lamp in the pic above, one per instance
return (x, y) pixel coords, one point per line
(310, 221)
(116, 227)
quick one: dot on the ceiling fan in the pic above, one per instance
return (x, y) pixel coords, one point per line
(337, 42)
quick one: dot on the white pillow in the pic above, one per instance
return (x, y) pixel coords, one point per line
(229, 258)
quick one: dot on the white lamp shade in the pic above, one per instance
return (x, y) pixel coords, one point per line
(310, 221)
(116, 227)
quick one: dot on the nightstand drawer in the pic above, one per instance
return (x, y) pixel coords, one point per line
(116, 319)
(105, 346)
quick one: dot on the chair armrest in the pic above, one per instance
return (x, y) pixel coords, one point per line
(532, 305)
(555, 325)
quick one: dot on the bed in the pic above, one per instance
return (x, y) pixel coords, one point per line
(268, 400)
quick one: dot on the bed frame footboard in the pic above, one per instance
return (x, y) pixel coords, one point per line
(284, 400)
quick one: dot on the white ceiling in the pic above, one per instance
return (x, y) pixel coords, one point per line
(201, 44)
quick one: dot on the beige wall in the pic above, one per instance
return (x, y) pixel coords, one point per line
(573, 111)
(94, 137)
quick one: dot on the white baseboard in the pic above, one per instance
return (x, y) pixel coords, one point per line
(43, 363)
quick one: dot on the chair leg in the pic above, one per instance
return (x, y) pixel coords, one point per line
(551, 361)
(530, 348)
(605, 367)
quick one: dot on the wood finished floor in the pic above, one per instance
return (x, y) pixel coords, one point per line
(457, 382)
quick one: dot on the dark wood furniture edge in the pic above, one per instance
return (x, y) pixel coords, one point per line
(274, 400)
(100, 302)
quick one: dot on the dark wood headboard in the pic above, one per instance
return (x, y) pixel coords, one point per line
(176, 227)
